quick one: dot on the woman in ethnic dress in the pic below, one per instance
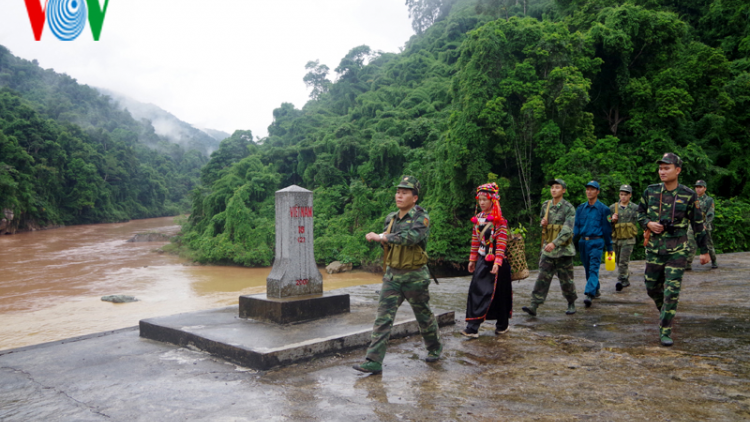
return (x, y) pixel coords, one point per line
(490, 293)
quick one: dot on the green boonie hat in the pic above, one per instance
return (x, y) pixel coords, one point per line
(670, 158)
(701, 183)
(409, 182)
(626, 188)
(560, 182)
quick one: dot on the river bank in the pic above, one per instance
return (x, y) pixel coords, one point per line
(604, 363)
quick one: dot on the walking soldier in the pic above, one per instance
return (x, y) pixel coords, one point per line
(665, 211)
(558, 217)
(624, 221)
(708, 208)
(404, 239)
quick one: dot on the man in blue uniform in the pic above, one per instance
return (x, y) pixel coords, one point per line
(594, 232)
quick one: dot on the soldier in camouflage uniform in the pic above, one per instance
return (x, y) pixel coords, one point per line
(624, 220)
(666, 210)
(557, 250)
(406, 276)
(709, 211)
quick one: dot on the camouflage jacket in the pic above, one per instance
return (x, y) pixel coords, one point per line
(626, 227)
(709, 210)
(681, 207)
(563, 214)
(413, 229)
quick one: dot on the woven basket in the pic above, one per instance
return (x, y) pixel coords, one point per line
(519, 270)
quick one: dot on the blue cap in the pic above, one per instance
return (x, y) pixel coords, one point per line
(593, 184)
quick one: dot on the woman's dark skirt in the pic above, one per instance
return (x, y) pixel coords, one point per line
(488, 299)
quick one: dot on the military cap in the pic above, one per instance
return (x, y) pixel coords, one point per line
(593, 184)
(701, 183)
(671, 158)
(560, 182)
(626, 188)
(409, 182)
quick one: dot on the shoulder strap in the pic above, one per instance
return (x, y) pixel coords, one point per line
(390, 226)
(386, 248)
(486, 227)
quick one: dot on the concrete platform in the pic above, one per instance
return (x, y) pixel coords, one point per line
(293, 309)
(261, 345)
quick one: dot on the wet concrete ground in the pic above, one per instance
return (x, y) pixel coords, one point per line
(604, 363)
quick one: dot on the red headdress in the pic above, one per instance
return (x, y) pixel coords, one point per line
(495, 216)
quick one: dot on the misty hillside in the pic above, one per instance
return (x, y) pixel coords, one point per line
(219, 135)
(167, 125)
(68, 155)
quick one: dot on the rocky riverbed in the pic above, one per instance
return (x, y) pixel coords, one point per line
(604, 363)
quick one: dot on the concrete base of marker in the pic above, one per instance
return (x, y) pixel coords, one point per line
(293, 309)
(262, 346)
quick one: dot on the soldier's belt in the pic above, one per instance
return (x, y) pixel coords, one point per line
(592, 238)
(396, 271)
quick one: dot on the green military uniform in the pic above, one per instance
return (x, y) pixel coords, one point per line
(709, 211)
(624, 232)
(406, 277)
(559, 231)
(666, 253)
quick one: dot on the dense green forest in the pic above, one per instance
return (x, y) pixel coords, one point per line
(69, 155)
(515, 91)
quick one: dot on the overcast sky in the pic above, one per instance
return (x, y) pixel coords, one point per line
(220, 64)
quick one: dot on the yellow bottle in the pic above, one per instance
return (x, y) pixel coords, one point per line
(609, 261)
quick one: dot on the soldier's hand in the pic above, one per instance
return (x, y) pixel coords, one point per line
(549, 247)
(472, 266)
(372, 237)
(655, 227)
(544, 222)
(494, 269)
(614, 218)
(705, 258)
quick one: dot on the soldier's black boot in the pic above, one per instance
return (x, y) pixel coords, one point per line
(434, 355)
(714, 266)
(587, 301)
(369, 366)
(665, 335)
(531, 309)
(571, 308)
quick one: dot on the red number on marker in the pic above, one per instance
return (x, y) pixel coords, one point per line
(301, 229)
(301, 239)
(302, 282)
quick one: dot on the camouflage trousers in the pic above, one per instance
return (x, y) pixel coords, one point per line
(397, 286)
(548, 267)
(693, 245)
(663, 282)
(623, 250)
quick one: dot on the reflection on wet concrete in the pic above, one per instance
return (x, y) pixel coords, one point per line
(604, 363)
(52, 281)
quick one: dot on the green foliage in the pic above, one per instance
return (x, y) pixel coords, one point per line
(69, 156)
(517, 91)
(731, 232)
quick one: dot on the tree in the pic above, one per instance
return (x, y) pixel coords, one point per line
(426, 12)
(317, 79)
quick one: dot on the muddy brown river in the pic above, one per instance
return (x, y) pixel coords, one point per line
(52, 281)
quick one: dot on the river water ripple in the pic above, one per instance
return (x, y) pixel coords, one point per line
(51, 281)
